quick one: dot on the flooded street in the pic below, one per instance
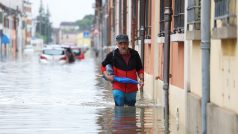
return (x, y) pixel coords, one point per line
(59, 99)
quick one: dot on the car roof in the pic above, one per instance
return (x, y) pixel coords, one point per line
(53, 48)
(75, 47)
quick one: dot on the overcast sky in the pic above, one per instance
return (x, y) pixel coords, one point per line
(65, 10)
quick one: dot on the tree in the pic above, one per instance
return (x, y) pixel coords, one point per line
(44, 26)
(85, 23)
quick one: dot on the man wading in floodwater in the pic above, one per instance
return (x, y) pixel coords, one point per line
(125, 62)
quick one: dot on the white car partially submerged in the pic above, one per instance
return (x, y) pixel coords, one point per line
(53, 55)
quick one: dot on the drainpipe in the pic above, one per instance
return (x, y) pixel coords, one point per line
(142, 28)
(205, 47)
(142, 32)
(167, 19)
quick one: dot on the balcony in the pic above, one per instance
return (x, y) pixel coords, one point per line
(161, 31)
(225, 22)
(148, 35)
(179, 16)
(193, 20)
(178, 33)
(148, 32)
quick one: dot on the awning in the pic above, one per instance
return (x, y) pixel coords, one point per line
(5, 40)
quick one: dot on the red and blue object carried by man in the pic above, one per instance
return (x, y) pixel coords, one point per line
(119, 79)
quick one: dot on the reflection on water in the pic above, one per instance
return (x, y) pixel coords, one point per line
(130, 120)
(59, 99)
(133, 120)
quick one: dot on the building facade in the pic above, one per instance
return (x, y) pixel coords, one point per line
(15, 25)
(11, 22)
(27, 22)
(68, 32)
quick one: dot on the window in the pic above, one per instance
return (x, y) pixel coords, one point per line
(225, 11)
(225, 20)
(193, 17)
(124, 26)
(148, 20)
(1, 17)
(179, 16)
(6, 22)
(161, 18)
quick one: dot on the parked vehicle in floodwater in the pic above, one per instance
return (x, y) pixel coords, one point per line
(78, 53)
(53, 55)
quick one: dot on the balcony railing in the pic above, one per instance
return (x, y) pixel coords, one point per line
(179, 16)
(161, 33)
(148, 19)
(194, 7)
(148, 32)
(225, 10)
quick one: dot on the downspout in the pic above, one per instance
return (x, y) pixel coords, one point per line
(205, 47)
(142, 28)
(167, 25)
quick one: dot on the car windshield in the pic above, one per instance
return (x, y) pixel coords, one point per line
(53, 52)
(76, 51)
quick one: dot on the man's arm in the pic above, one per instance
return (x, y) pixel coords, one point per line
(107, 60)
(140, 70)
(141, 82)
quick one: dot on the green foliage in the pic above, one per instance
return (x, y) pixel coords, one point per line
(85, 23)
(43, 26)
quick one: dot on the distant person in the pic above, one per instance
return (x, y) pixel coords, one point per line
(125, 62)
(70, 55)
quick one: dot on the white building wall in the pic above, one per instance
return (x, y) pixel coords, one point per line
(117, 18)
(13, 4)
(155, 31)
(129, 11)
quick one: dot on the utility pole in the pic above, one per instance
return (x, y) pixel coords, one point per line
(167, 25)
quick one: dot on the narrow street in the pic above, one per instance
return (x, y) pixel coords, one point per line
(59, 99)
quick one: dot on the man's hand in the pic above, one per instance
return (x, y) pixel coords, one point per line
(141, 83)
(108, 77)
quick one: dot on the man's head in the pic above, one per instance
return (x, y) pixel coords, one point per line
(122, 43)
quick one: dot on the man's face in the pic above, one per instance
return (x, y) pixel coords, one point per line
(123, 47)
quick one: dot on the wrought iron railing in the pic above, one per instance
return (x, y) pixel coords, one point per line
(193, 18)
(225, 10)
(148, 19)
(179, 16)
(161, 18)
(148, 32)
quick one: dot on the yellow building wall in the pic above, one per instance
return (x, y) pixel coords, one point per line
(224, 78)
(195, 70)
(223, 70)
(83, 42)
(177, 103)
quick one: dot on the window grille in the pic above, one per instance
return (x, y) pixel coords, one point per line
(162, 18)
(194, 17)
(225, 10)
(179, 16)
